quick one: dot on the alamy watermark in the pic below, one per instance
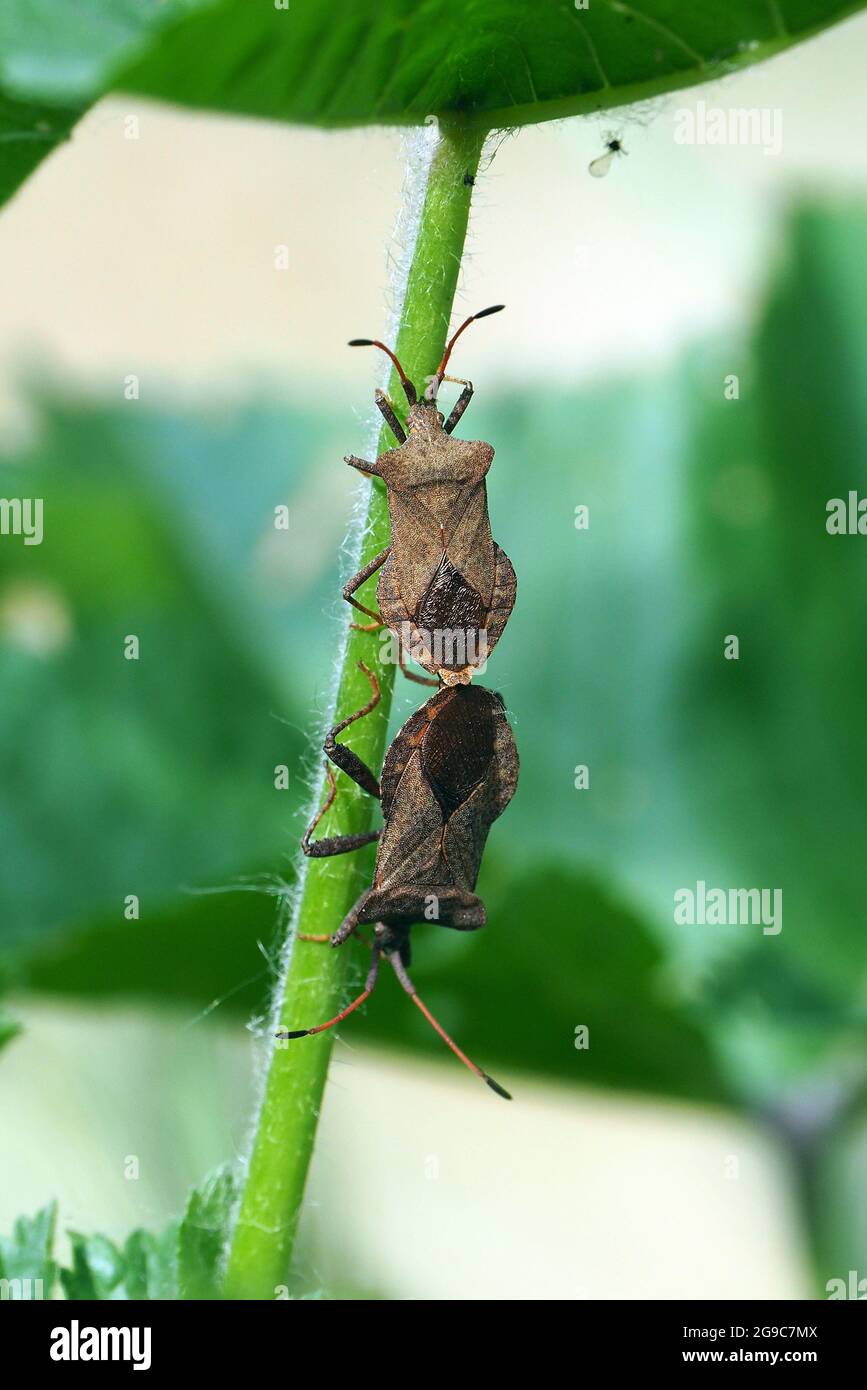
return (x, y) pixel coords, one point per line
(750, 907)
(447, 648)
(853, 1287)
(77, 1343)
(846, 516)
(22, 516)
(717, 125)
(21, 1290)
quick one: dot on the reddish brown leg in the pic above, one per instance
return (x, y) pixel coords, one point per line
(400, 972)
(356, 582)
(354, 767)
(411, 675)
(333, 844)
(344, 757)
(324, 938)
(370, 985)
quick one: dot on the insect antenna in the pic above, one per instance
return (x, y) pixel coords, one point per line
(408, 985)
(482, 314)
(409, 389)
(369, 987)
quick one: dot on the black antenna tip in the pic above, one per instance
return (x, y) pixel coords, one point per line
(495, 1086)
(494, 309)
(301, 1033)
(360, 342)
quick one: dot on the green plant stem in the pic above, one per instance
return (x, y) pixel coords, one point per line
(312, 986)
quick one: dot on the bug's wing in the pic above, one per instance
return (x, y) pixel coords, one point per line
(471, 763)
(458, 746)
(404, 744)
(506, 765)
(417, 545)
(467, 830)
(466, 836)
(599, 167)
(470, 546)
(409, 848)
(502, 598)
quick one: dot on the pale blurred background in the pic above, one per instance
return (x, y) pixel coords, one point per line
(155, 257)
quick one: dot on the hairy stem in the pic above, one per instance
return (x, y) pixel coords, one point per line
(312, 985)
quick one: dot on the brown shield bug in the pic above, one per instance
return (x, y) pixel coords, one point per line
(450, 772)
(446, 588)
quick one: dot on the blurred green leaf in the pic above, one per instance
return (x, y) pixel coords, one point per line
(774, 750)
(144, 1267)
(153, 1264)
(203, 1235)
(97, 1269)
(26, 1258)
(53, 62)
(209, 950)
(154, 775)
(9, 1029)
(841, 1199)
(29, 131)
(63, 52)
(183, 1261)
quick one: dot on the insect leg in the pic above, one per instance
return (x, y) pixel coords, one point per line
(333, 844)
(344, 757)
(406, 982)
(369, 986)
(389, 416)
(324, 938)
(349, 926)
(460, 405)
(369, 469)
(356, 582)
(411, 675)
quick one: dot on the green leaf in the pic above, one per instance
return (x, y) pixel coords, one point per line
(9, 1029)
(157, 774)
(203, 1235)
(53, 64)
(185, 1255)
(62, 52)
(495, 63)
(202, 950)
(144, 1267)
(183, 1261)
(97, 1268)
(153, 1264)
(26, 1259)
(29, 131)
(840, 1199)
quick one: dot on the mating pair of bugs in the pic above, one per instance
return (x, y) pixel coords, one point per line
(453, 767)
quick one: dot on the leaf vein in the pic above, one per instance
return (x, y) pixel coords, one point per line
(621, 8)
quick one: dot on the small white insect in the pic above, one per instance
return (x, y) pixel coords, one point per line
(613, 147)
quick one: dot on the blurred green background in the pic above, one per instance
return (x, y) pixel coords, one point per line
(156, 778)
